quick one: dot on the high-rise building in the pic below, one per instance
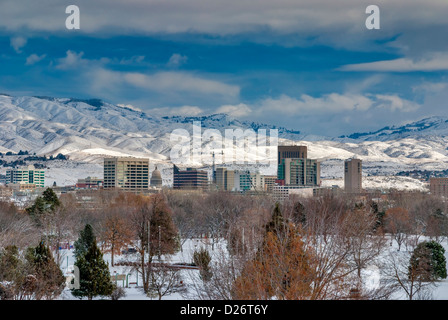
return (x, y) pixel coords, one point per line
(220, 175)
(353, 175)
(299, 172)
(129, 174)
(295, 152)
(26, 175)
(248, 181)
(225, 179)
(190, 178)
(269, 183)
(439, 186)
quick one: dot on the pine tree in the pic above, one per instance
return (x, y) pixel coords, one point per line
(85, 240)
(38, 207)
(277, 223)
(47, 203)
(202, 259)
(94, 274)
(428, 260)
(49, 277)
(51, 199)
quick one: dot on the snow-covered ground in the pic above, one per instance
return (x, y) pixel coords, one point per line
(134, 292)
(383, 183)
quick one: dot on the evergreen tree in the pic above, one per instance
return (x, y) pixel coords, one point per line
(49, 278)
(277, 223)
(94, 274)
(51, 199)
(429, 260)
(202, 259)
(85, 240)
(47, 203)
(10, 264)
(38, 208)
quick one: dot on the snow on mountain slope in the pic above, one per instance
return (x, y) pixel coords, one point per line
(88, 130)
(432, 126)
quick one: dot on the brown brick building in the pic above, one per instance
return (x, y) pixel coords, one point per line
(439, 186)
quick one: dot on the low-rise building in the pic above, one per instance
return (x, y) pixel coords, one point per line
(190, 178)
(26, 175)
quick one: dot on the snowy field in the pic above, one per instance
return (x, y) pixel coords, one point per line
(135, 292)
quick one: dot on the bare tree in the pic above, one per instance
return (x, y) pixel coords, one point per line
(115, 232)
(165, 280)
(398, 224)
(397, 271)
(16, 228)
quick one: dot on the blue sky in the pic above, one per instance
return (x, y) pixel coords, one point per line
(308, 65)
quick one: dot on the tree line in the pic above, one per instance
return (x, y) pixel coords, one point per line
(305, 248)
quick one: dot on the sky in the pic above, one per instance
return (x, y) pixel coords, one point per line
(307, 65)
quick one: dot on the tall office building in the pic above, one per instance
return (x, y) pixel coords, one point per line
(269, 183)
(26, 175)
(249, 181)
(439, 186)
(299, 172)
(129, 174)
(220, 175)
(225, 179)
(353, 175)
(295, 152)
(189, 179)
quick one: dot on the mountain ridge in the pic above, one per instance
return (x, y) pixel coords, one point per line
(88, 129)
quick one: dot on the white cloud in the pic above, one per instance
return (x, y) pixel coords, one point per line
(179, 81)
(433, 62)
(395, 103)
(18, 43)
(72, 60)
(177, 60)
(34, 58)
(335, 21)
(431, 87)
(308, 105)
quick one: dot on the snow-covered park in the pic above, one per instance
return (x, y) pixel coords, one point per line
(132, 282)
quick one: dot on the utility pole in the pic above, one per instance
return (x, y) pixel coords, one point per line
(149, 240)
(213, 169)
(160, 253)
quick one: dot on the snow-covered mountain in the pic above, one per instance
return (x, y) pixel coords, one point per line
(429, 127)
(88, 130)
